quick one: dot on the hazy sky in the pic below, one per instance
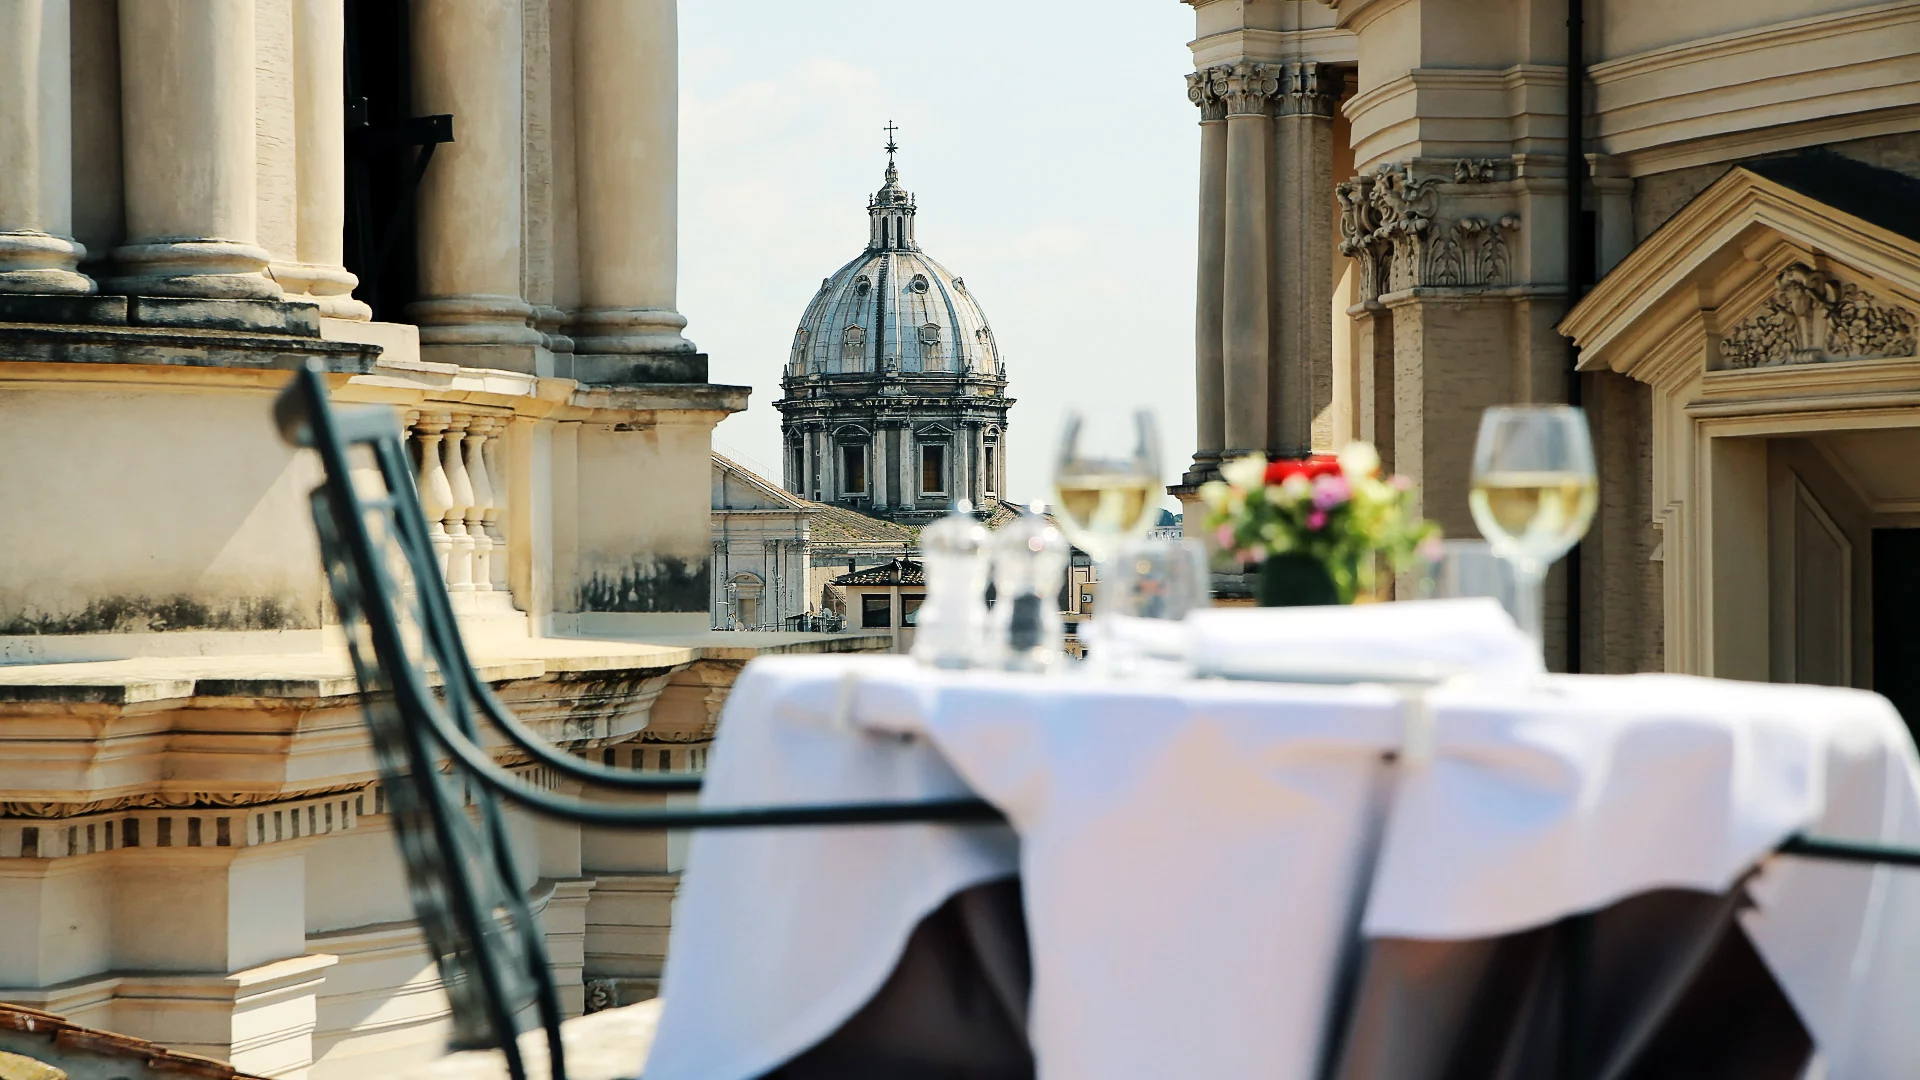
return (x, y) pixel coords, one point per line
(1053, 154)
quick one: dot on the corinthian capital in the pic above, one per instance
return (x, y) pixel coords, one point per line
(1249, 86)
(1206, 89)
(1308, 88)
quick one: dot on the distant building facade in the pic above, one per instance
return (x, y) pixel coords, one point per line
(776, 556)
(895, 397)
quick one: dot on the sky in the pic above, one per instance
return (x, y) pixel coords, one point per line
(1052, 151)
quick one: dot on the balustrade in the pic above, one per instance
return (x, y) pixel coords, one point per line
(463, 493)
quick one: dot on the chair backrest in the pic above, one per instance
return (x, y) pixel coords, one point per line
(401, 633)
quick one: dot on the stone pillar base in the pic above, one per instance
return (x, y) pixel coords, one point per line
(630, 330)
(330, 288)
(214, 269)
(38, 262)
(475, 320)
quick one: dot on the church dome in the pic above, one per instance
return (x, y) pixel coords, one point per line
(893, 309)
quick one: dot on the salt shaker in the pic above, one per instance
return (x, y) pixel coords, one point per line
(952, 623)
(1029, 560)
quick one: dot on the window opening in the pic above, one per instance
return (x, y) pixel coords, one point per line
(933, 470)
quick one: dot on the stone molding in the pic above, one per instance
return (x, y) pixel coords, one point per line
(1307, 88)
(1393, 226)
(1814, 317)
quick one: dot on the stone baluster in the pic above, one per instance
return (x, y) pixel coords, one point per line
(460, 484)
(497, 509)
(436, 494)
(37, 251)
(479, 430)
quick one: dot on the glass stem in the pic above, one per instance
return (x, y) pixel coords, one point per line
(1528, 578)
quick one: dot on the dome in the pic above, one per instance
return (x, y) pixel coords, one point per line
(893, 309)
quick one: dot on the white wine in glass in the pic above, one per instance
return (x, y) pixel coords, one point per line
(1533, 493)
(1107, 481)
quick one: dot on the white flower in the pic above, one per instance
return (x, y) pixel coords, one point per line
(1215, 494)
(1359, 459)
(1245, 473)
(1296, 488)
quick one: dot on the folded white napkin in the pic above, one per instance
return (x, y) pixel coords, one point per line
(1415, 641)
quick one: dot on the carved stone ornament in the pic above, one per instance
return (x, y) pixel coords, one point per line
(601, 994)
(1392, 228)
(1813, 318)
(165, 800)
(1248, 88)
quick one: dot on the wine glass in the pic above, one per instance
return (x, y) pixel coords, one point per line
(1107, 480)
(1107, 486)
(1533, 495)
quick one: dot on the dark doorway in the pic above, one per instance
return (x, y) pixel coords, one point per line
(380, 241)
(1896, 619)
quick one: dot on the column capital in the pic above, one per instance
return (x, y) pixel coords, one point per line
(1206, 88)
(1308, 88)
(1248, 87)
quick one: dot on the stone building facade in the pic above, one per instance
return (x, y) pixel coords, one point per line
(197, 196)
(895, 396)
(1389, 243)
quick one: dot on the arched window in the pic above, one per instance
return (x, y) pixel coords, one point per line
(930, 355)
(854, 349)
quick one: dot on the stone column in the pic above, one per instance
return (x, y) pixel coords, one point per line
(320, 145)
(186, 75)
(1206, 89)
(1300, 384)
(1245, 297)
(466, 56)
(626, 117)
(37, 250)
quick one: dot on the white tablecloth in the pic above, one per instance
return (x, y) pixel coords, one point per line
(1194, 854)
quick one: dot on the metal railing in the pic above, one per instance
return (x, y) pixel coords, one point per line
(423, 701)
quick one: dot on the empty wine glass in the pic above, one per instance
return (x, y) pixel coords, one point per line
(1533, 495)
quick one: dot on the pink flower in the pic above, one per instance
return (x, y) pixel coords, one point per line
(1223, 537)
(1431, 550)
(1401, 483)
(1254, 554)
(1329, 491)
(1317, 520)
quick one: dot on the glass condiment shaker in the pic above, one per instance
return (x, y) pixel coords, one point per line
(951, 627)
(1029, 558)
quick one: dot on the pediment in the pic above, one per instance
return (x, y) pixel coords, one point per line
(1759, 272)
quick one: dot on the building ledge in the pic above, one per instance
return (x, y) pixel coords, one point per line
(150, 680)
(608, 1045)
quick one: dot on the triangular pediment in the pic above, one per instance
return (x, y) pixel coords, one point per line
(1811, 259)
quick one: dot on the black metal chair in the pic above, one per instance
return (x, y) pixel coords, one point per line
(422, 696)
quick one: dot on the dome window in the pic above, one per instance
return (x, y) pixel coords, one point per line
(919, 283)
(855, 346)
(930, 358)
(862, 285)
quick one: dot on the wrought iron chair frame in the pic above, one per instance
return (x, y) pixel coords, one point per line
(461, 871)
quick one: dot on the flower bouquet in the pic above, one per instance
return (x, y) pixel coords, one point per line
(1316, 526)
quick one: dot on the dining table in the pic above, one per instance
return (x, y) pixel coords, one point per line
(1342, 843)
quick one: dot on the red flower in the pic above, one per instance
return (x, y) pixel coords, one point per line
(1315, 465)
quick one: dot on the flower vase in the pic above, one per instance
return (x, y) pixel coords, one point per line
(1292, 579)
